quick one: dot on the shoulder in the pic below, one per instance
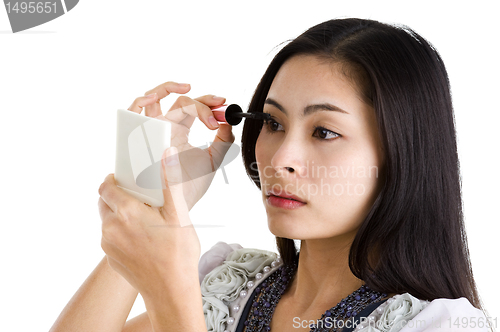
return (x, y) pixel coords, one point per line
(229, 276)
(405, 313)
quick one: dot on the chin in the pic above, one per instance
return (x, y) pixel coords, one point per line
(288, 229)
(280, 227)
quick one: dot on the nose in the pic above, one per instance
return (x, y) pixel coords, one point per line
(290, 158)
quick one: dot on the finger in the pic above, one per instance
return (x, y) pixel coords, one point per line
(182, 115)
(108, 218)
(224, 134)
(204, 109)
(198, 107)
(163, 90)
(222, 143)
(211, 100)
(114, 197)
(141, 102)
(104, 209)
(184, 111)
(175, 210)
(206, 114)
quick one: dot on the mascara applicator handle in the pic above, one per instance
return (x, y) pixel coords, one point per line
(233, 114)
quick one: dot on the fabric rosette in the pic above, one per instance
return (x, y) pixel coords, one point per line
(224, 283)
(214, 257)
(250, 261)
(397, 311)
(216, 313)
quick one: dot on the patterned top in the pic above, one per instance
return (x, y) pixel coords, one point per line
(229, 274)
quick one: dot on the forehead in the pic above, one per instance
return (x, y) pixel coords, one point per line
(306, 79)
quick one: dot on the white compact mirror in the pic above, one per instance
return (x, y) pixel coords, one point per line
(140, 143)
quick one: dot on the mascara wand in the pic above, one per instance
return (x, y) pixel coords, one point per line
(233, 114)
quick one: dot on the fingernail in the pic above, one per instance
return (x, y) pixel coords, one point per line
(152, 96)
(172, 157)
(213, 122)
(217, 97)
(183, 85)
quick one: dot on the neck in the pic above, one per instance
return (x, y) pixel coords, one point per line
(323, 277)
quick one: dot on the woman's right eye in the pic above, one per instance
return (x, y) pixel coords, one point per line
(271, 125)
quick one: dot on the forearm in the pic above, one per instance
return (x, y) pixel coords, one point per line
(178, 309)
(102, 303)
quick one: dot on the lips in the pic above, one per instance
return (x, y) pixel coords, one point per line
(280, 193)
(291, 199)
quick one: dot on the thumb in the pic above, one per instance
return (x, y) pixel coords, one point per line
(221, 144)
(174, 208)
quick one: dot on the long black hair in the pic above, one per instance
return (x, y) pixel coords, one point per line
(413, 238)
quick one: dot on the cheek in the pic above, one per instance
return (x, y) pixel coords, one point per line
(258, 150)
(347, 176)
(260, 155)
(343, 195)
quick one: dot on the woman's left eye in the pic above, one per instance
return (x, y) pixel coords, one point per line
(325, 134)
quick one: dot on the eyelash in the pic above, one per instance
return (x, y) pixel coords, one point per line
(268, 122)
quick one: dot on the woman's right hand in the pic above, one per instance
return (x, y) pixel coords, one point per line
(198, 165)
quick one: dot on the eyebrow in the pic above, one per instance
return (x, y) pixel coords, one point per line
(308, 109)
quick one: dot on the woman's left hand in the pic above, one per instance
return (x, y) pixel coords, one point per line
(150, 247)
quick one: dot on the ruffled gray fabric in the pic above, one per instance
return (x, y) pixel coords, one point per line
(227, 277)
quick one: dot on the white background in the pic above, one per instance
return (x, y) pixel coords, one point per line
(62, 82)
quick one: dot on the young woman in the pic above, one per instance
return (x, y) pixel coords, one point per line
(358, 160)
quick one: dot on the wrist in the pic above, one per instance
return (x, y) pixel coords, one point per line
(173, 290)
(118, 279)
(176, 310)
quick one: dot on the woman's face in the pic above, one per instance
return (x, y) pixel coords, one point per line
(337, 168)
